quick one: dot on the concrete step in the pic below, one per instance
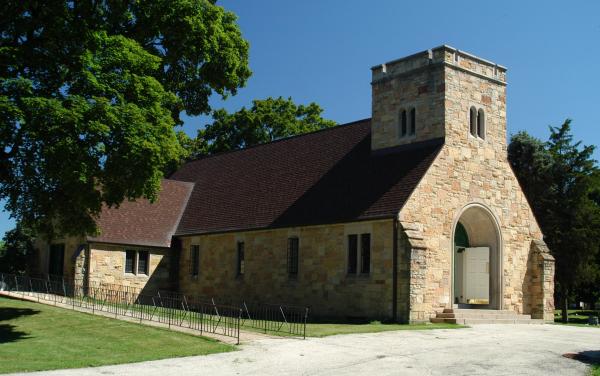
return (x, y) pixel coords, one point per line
(438, 320)
(481, 316)
(467, 316)
(485, 321)
(501, 321)
(467, 310)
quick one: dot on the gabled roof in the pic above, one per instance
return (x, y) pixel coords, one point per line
(328, 176)
(143, 223)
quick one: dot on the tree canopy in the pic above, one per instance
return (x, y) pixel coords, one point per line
(560, 180)
(90, 93)
(267, 120)
(17, 250)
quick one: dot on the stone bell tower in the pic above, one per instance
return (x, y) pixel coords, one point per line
(442, 93)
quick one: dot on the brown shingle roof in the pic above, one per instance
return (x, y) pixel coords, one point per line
(143, 223)
(323, 177)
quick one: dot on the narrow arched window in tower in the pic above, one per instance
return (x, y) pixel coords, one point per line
(481, 124)
(413, 121)
(473, 121)
(403, 125)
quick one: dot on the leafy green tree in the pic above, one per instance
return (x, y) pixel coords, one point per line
(90, 93)
(17, 250)
(559, 178)
(267, 120)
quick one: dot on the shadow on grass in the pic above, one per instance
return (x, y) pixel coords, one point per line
(7, 331)
(9, 313)
(9, 334)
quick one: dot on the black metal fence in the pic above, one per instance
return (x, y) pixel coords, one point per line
(200, 316)
(171, 308)
(276, 318)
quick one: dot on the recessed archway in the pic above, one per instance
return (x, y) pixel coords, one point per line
(476, 256)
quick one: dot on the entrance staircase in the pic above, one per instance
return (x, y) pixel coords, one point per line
(482, 316)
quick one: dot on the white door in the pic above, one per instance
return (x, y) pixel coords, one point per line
(476, 275)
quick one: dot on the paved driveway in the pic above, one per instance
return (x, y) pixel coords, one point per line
(481, 350)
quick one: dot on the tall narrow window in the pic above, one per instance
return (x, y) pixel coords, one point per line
(130, 262)
(194, 260)
(240, 259)
(293, 250)
(481, 124)
(413, 121)
(365, 253)
(403, 123)
(473, 121)
(143, 261)
(352, 253)
(57, 259)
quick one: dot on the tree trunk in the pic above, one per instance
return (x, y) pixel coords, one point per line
(565, 307)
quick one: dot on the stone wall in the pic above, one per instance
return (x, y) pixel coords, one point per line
(107, 265)
(322, 282)
(540, 295)
(42, 255)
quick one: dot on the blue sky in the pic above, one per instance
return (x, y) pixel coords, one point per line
(316, 50)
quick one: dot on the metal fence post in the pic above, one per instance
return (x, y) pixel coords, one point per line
(16, 284)
(64, 287)
(238, 326)
(305, 318)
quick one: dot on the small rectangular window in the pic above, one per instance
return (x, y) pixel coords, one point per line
(240, 259)
(143, 258)
(352, 253)
(365, 253)
(129, 262)
(194, 260)
(293, 250)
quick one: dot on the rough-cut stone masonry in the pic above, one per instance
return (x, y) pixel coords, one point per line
(467, 170)
(107, 265)
(322, 282)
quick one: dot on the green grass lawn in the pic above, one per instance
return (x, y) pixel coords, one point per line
(596, 370)
(326, 329)
(312, 329)
(330, 329)
(577, 317)
(39, 337)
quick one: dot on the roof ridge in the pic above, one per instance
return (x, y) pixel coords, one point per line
(335, 127)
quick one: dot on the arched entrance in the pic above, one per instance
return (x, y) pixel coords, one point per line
(477, 259)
